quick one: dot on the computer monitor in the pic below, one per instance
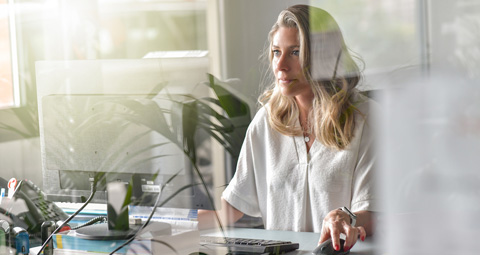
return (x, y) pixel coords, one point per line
(121, 119)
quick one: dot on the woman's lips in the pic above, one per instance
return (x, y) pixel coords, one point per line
(285, 81)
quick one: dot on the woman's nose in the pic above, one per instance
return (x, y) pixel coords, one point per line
(282, 63)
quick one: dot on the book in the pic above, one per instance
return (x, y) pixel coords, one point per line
(178, 243)
(77, 252)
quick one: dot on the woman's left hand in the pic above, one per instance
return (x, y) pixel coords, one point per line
(337, 222)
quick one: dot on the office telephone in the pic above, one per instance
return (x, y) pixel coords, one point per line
(27, 208)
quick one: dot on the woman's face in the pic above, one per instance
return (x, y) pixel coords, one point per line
(286, 64)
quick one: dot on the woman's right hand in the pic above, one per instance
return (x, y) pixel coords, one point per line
(337, 222)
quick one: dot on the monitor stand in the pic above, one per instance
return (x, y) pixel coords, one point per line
(102, 232)
(118, 227)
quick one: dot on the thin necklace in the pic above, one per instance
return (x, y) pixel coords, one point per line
(306, 138)
(306, 134)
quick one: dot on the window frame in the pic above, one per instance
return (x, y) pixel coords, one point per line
(11, 26)
(20, 120)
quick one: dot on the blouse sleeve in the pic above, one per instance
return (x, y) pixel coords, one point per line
(241, 192)
(363, 189)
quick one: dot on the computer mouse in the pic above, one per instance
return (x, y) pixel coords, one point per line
(326, 248)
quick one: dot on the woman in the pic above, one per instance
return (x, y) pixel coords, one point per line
(308, 151)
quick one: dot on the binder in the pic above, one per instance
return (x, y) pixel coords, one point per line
(179, 243)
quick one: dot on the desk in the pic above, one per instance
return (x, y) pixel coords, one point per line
(307, 240)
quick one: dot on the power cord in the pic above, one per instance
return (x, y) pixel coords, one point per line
(102, 219)
(156, 205)
(93, 189)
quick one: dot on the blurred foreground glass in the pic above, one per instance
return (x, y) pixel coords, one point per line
(429, 154)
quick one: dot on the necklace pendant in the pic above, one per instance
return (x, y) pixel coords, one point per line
(306, 138)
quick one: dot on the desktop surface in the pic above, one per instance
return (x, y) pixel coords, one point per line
(308, 241)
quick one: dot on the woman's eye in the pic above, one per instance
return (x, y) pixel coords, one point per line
(276, 53)
(296, 53)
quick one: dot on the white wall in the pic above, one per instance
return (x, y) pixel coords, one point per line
(243, 31)
(21, 159)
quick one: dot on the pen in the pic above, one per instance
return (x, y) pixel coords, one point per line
(2, 195)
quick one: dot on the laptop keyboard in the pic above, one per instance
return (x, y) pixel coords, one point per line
(248, 245)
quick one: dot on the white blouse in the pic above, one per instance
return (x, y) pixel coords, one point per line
(294, 190)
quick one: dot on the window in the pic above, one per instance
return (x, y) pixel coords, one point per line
(8, 61)
(35, 30)
(106, 29)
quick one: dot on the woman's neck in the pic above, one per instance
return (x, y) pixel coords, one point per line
(304, 102)
(304, 106)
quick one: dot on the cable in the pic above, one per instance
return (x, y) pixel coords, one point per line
(156, 205)
(93, 188)
(91, 222)
(149, 217)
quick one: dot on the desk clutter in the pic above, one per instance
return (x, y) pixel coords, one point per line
(156, 238)
(28, 220)
(22, 212)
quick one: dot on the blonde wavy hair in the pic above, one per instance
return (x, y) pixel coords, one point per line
(331, 72)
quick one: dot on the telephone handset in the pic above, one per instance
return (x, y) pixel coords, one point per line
(28, 208)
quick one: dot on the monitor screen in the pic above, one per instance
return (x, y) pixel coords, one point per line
(121, 120)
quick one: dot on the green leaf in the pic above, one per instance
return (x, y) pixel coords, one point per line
(232, 105)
